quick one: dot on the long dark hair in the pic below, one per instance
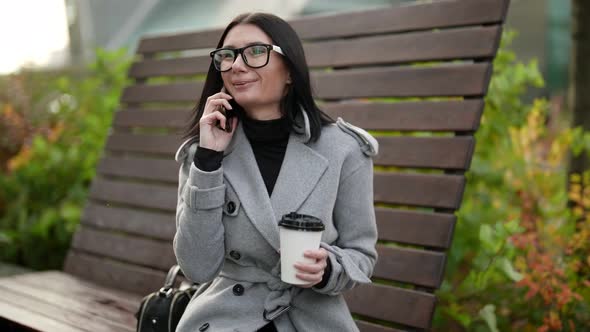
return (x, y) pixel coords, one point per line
(299, 91)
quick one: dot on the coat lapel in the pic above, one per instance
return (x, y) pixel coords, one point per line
(301, 170)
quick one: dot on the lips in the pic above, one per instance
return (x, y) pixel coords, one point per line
(240, 84)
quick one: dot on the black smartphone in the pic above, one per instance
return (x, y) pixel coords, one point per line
(229, 114)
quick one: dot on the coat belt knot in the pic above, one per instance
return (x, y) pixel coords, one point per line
(280, 294)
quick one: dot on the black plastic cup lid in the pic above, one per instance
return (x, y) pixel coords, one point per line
(302, 222)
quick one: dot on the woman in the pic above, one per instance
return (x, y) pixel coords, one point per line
(282, 154)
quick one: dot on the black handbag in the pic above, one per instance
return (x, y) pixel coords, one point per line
(161, 311)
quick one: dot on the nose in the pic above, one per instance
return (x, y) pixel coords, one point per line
(239, 64)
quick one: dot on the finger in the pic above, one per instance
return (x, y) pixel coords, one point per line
(307, 285)
(312, 278)
(214, 104)
(220, 95)
(317, 254)
(225, 103)
(311, 268)
(226, 95)
(212, 118)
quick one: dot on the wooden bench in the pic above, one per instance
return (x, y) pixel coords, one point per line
(123, 246)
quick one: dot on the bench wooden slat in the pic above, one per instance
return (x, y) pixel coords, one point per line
(81, 288)
(146, 223)
(137, 194)
(419, 152)
(413, 152)
(442, 14)
(105, 312)
(402, 226)
(415, 227)
(370, 327)
(164, 144)
(449, 115)
(175, 118)
(78, 318)
(444, 80)
(426, 152)
(413, 266)
(466, 43)
(114, 274)
(186, 92)
(132, 249)
(405, 306)
(186, 66)
(409, 17)
(425, 190)
(25, 317)
(141, 168)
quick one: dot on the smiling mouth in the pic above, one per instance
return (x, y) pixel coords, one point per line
(241, 84)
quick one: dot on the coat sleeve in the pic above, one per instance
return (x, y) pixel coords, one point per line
(353, 255)
(199, 240)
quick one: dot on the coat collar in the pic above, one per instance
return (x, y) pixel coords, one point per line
(302, 130)
(300, 171)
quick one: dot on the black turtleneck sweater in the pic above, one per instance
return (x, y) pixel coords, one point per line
(268, 139)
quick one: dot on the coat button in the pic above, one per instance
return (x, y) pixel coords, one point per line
(235, 255)
(238, 290)
(204, 327)
(231, 207)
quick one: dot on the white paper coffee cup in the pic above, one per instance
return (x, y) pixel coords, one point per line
(298, 233)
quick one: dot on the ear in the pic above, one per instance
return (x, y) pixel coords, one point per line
(289, 81)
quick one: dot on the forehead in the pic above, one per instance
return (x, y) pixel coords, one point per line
(244, 34)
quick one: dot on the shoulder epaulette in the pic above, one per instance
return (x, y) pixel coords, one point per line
(367, 142)
(183, 149)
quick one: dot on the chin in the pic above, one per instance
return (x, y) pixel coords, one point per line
(245, 100)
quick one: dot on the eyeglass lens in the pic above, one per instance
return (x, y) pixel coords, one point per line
(255, 56)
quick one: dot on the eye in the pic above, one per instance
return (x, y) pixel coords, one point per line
(256, 50)
(224, 54)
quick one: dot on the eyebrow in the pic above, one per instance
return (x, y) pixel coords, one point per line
(249, 44)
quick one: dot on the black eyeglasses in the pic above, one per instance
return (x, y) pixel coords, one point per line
(255, 56)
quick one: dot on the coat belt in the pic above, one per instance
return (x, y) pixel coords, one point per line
(281, 293)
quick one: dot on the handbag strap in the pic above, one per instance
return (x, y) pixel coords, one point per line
(170, 279)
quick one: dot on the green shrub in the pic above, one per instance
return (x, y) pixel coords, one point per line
(511, 266)
(44, 186)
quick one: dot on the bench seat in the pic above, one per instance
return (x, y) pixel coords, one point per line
(57, 301)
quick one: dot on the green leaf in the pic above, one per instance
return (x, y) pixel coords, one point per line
(509, 270)
(488, 314)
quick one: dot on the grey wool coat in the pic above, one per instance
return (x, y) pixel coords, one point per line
(227, 238)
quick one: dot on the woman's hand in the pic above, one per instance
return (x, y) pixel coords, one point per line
(210, 135)
(314, 272)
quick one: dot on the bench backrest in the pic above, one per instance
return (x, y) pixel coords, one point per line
(357, 59)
